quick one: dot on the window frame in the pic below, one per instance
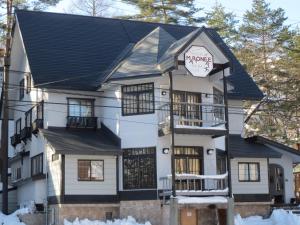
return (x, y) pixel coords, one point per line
(28, 113)
(40, 111)
(219, 113)
(90, 178)
(137, 157)
(18, 126)
(137, 94)
(21, 89)
(249, 177)
(82, 99)
(41, 155)
(28, 84)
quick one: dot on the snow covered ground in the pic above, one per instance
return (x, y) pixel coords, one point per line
(278, 217)
(13, 218)
(128, 221)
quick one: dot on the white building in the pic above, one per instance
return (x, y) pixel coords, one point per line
(92, 120)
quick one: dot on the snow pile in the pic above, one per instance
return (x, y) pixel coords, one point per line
(13, 218)
(278, 217)
(129, 221)
(201, 200)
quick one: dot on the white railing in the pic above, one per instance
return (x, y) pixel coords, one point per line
(192, 185)
(192, 115)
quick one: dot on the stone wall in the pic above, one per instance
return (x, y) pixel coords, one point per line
(58, 213)
(33, 219)
(144, 210)
(250, 209)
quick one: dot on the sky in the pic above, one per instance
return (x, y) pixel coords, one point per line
(238, 7)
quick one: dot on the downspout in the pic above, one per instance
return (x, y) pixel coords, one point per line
(172, 134)
(227, 150)
(47, 189)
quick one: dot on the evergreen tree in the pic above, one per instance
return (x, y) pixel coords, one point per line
(224, 22)
(265, 52)
(166, 11)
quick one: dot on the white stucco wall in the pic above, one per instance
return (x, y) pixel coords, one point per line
(261, 187)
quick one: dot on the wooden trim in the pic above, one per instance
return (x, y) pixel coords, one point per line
(63, 175)
(83, 199)
(139, 195)
(252, 197)
(90, 160)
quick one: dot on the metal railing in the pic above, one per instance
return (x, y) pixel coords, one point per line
(81, 122)
(193, 185)
(25, 133)
(192, 114)
(15, 139)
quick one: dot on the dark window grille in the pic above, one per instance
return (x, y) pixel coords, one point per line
(187, 105)
(91, 170)
(138, 99)
(21, 89)
(249, 172)
(37, 165)
(139, 168)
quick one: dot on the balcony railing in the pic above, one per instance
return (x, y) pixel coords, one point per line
(204, 115)
(14, 140)
(81, 122)
(36, 125)
(25, 133)
(196, 185)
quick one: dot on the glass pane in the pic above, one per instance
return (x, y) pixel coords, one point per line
(97, 170)
(84, 170)
(74, 107)
(180, 166)
(254, 173)
(86, 108)
(243, 171)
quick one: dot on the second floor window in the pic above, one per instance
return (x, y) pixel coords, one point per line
(81, 107)
(39, 110)
(18, 126)
(21, 89)
(37, 165)
(138, 99)
(28, 84)
(28, 118)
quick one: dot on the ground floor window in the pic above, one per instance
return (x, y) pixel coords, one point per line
(90, 170)
(188, 160)
(248, 172)
(37, 165)
(139, 168)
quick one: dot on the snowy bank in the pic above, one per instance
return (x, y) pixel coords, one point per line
(278, 217)
(128, 221)
(13, 218)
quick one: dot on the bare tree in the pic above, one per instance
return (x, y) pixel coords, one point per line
(90, 7)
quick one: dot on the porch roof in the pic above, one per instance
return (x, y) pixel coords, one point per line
(249, 148)
(81, 141)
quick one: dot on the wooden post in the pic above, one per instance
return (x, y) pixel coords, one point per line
(172, 134)
(4, 126)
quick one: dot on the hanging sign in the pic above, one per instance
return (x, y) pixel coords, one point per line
(198, 61)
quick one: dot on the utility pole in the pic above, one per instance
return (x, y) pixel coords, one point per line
(4, 127)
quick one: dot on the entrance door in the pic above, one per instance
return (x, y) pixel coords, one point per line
(276, 183)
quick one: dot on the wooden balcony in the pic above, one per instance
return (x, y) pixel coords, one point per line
(26, 133)
(82, 122)
(196, 185)
(193, 118)
(36, 125)
(15, 139)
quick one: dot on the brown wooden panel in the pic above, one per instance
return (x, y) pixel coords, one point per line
(222, 216)
(188, 217)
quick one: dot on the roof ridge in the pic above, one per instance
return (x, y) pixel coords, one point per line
(102, 17)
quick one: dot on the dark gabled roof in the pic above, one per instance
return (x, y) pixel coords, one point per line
(248, 148)
(80, 50)
(276, 144)
(87, 142)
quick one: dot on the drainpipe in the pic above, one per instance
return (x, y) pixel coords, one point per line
(172, 134)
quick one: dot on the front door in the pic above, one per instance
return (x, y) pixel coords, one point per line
(276, 183)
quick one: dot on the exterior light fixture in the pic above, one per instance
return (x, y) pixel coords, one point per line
(164, 93)
(165, 150)
(210, 151)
